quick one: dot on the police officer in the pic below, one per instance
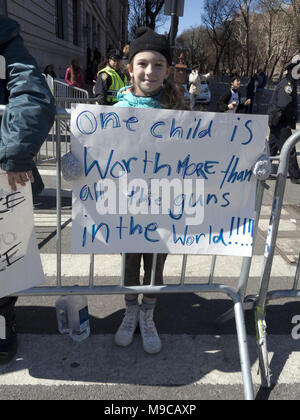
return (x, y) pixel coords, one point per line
(283, 117)
(110, 80)
(27, 119)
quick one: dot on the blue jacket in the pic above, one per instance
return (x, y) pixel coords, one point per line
(127, 99)
(30, 110)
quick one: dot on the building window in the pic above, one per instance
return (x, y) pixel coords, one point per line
(75, 22)
(3, 7)
(59, 19)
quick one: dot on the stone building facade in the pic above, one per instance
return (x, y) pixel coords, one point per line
(57, 31)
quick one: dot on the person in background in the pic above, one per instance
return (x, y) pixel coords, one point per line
(126, 52)
(282, 113)
(26, 122)
(231, 101)
(260, 89)
(195, 86)
(75, 75)
(125, 61)
(251, 91)
(110, 80)
(49, 70)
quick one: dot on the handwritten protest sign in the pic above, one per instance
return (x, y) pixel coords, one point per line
(20, 263)
(164, 181)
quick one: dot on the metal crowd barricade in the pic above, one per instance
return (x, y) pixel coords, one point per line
(237, 295)
(64, 95)
(265, 295)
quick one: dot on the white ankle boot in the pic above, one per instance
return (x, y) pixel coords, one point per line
(151, 340)
(125, 333)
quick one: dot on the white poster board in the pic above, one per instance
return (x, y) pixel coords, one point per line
(161, 181)
(20, 262)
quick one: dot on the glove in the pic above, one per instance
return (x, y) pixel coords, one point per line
(70, 167)
(262, 168)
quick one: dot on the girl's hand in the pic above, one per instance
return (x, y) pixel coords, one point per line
(21, 178)
(232, 106)
(248, 102)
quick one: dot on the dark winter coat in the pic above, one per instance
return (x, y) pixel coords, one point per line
(30, 107)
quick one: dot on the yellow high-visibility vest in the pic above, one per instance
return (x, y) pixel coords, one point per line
(116, 85)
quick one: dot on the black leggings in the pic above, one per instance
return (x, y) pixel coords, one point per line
(133, 265)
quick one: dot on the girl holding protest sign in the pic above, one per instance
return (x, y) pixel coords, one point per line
(149, 66)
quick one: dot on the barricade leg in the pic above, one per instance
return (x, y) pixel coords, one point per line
(243, 350)
(260, 304)
(297, 275)
(262, 347)
(58, 201)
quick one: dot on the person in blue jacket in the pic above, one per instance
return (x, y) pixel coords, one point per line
(26, 121)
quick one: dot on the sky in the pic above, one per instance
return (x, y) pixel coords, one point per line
(192, 16)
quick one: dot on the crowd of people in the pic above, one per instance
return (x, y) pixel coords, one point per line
(105, 75)
(149, 64)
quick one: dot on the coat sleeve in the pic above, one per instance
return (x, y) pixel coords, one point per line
(68, 76)
(192, 78)
(222, 104)
(284, 98)
(281, 100)
(101, 87)
(30, 112)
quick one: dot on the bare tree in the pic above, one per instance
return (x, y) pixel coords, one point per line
(245, 13)
(280, 37)
(242, 35)
(292, 9)
(218, 17)
(195, 44)
(145, 13)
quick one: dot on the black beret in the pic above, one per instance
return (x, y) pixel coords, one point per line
(147, 39)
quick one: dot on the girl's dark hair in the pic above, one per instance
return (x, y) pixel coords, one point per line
(172, 96)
